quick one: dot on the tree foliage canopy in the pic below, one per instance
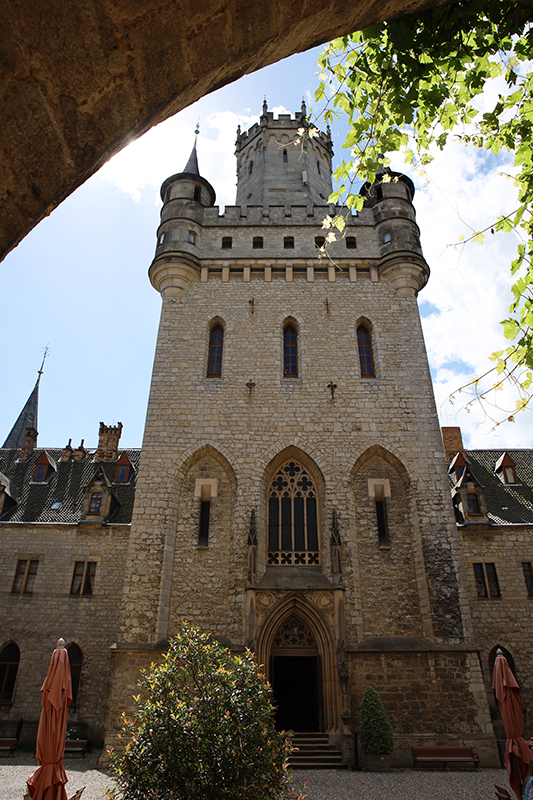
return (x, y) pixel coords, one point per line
(204, 730)
(409, 85)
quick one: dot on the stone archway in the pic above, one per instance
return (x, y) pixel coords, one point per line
(82, 79)
(295, 628)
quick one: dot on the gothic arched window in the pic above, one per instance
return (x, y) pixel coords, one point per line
(292, 517)
(9, 664)
(366, 359)
(290, 352)
(216, 341)
(75, 656)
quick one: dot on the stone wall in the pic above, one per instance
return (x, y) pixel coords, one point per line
(36, 621)
(505, 621)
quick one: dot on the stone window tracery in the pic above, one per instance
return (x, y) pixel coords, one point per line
(293, 518)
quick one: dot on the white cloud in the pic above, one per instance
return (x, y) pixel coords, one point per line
(148, 161)
(469, 288)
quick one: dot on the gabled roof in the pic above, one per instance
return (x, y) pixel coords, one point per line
(507, 503)
(67, 486)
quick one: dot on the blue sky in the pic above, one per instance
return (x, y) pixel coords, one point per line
(79, 281)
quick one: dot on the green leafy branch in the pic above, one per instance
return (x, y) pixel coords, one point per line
(408, 85)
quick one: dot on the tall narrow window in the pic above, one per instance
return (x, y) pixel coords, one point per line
(25, 577)
(472, 502)
(75, 657)
(381, 515)
(95, 503)
(83, 578)
(528, 577)
(216, 342)
(366, 359)
(290, 352)
(292, 518)
(318, 166)
(486, 580)
(203, 532)
(9, 664)
(284, 156)
(197, 194)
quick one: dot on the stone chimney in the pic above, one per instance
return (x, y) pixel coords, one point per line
(29, 444)
(80, 452)
(68, 452)
(108, 439)
(452, 441)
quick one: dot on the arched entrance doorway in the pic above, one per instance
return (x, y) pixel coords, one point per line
(296, 643)
(295, 675)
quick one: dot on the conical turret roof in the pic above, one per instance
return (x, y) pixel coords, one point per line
(192, 164)
(27, 419)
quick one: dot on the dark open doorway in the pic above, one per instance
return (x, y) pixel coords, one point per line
(295, 683)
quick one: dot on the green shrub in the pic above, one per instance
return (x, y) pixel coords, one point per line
(375, 730)
(203, 731)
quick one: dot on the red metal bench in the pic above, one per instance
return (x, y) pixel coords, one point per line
(444, 755)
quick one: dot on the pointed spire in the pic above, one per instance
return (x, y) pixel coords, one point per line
(265, 106)
(192, 164)
(27, 417)
(304, 108)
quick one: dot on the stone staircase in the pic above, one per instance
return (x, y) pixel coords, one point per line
(313, 751)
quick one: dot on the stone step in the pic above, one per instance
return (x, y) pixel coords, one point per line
(313, 751)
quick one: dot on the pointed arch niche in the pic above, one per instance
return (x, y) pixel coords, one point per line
(198, 542)
(295, 628)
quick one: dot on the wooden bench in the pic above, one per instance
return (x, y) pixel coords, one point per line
(73, 746)
(444, 755)
(8, 745)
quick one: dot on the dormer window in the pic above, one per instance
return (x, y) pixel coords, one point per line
(458, 465)
(100, 502)
(472, 503)
(505, 468)
(96, 502)
(123, 469)
(40, 473)
(44, 468)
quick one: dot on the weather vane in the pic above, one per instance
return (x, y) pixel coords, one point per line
(45, 353)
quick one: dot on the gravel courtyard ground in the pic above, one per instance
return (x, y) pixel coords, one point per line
(403, 784)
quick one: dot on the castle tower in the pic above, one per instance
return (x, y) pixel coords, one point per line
(293, 495)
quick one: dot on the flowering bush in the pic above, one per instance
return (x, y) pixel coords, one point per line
(204, 732)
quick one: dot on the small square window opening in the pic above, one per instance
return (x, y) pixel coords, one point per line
(257, 243)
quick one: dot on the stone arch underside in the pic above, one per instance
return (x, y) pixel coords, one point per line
(82, 79)
(307, 612)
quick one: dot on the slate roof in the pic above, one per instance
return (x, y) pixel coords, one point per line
(66, 486)
(507, 503)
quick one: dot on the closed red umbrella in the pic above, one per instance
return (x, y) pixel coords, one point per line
(517, 753)
(49, 779)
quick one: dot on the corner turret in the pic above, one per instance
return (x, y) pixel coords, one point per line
(184, 196)
(402, 262)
